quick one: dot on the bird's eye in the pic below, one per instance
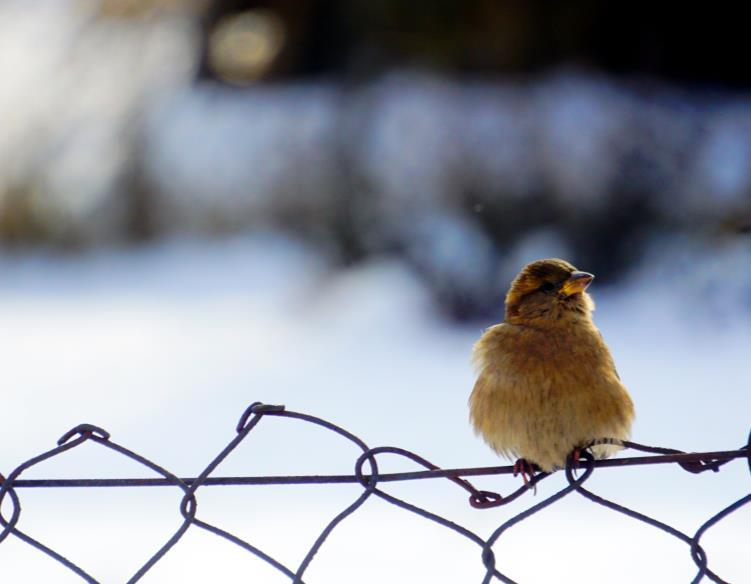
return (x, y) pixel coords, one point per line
(547, 287)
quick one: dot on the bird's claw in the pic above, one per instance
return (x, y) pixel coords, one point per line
(574, 459)
(526, 469)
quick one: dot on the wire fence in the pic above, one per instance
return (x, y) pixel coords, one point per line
(367, 475)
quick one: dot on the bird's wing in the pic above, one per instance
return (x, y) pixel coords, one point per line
(610, 357)
(489, 342)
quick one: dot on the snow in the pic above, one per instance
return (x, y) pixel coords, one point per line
(165, 346)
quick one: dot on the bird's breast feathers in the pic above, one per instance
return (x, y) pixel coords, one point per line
(541, 392)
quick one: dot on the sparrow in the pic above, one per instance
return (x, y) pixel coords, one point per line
(547, 385)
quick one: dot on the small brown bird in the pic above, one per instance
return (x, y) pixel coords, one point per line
(547, 383)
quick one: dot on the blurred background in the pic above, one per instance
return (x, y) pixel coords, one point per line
(321, 203)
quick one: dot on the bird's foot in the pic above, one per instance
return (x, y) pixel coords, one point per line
(526, 469)
(574, 458)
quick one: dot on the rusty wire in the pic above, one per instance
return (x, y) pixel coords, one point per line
(367, 475)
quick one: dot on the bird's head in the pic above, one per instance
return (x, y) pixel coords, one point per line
(549, 290)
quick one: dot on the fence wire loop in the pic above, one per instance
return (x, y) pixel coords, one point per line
(373, 483)
(257, 408)
(86, 431)
(485, 499)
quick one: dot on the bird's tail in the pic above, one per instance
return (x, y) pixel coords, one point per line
(605, 447)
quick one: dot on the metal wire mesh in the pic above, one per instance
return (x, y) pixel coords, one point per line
(367, 475)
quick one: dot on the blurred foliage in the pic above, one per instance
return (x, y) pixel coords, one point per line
(464, 137)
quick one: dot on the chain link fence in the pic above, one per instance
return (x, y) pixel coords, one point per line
(367, 475)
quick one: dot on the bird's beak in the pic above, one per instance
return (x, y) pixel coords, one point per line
(577, 282)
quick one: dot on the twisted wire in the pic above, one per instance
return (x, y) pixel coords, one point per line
(366, 474)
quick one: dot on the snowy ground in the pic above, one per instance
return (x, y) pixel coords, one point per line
(165, 347)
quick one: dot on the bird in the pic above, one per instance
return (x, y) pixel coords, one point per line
(547, 385)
